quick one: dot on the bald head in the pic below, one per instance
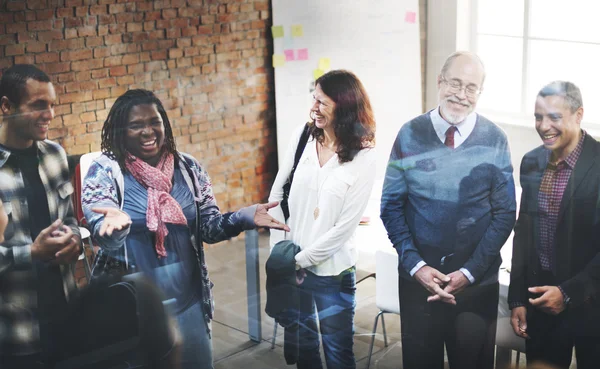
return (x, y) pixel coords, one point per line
(464, 56)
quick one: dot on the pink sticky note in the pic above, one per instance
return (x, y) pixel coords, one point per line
(302, 54)
(410, 17)
(289, 55)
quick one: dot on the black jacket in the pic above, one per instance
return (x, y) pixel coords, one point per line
(577, 239)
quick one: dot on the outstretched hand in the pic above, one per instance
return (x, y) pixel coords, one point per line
(114, 220)
(263, 219)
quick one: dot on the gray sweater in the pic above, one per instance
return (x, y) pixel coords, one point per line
(455, 203)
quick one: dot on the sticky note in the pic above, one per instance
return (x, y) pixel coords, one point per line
(302, 54)
(278, 60)
(297, 30)
(277, 31)
(317, 73)
(410, 17)
(324, 64)
(289, 55)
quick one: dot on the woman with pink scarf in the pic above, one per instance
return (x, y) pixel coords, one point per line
(151, 207)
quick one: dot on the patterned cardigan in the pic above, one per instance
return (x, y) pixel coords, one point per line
(104, 187)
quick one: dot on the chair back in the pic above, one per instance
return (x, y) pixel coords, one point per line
(386, 285)
(84, 163)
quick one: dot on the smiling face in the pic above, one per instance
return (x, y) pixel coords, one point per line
(145, 134)
(467, 72)
(323, 109)
(558, 126)
(29, 119)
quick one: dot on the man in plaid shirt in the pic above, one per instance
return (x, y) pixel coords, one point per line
(42, 240)
(555, 274)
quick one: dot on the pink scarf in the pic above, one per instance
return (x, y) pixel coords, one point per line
(162, 207)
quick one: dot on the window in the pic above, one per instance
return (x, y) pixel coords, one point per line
(526, 44)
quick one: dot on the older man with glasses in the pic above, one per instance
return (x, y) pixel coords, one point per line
(448, 205)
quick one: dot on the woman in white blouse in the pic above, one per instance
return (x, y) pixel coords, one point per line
(330, 190)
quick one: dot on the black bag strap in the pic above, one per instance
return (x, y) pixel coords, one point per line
(299, 150)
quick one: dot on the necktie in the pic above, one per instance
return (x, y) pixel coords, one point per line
(450, 136)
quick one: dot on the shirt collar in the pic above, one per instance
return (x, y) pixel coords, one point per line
(572, 158)
(5, 152)
(440, 125)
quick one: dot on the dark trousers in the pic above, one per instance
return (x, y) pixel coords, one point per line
(468, 329)
(331, 300)
(552, 338)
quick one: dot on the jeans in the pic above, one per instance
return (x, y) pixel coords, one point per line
(332, 300)
(196, 348)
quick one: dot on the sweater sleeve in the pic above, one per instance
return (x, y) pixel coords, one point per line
(100, 191)
(393, 201)
(217, 226)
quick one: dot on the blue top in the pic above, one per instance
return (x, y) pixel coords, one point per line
(449, 208)
(178, 274)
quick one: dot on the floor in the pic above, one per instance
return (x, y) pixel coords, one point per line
(231, 343)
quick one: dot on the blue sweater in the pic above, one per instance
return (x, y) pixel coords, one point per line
(456, 203)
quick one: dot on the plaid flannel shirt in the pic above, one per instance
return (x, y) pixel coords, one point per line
(18, 288)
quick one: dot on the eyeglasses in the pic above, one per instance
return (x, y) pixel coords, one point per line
(455, 87)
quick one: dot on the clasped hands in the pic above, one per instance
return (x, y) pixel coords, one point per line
(56, 244)
(441, 286)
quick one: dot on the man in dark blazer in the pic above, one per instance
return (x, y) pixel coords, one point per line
(555, 275)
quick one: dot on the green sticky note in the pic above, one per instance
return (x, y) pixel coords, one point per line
(278, 60)
(277, 31)
(317, 73)
(324, 64)
(297, 30)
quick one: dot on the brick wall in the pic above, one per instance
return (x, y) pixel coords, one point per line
(207, 60)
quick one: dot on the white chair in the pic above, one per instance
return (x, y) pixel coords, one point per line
(386, 291)
(507, 340)
(84, 164)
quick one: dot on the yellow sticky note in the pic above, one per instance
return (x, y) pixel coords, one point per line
(317, 73)
(297, 30)
(324, 64)
(278, 60)
(277, 31)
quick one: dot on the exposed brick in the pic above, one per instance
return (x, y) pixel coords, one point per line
(76, 55)
(36, 47)
(44, 14)
(86, 31)
(87, 117)
(14, 50)
(75, 97)
(131, 59)
(118, 71)
(82, 11)
(93, 42)
(46, 58)
(169, 13)
(16, 27)
(98, 9)
(72, 22)
(106, 19)
(112, 39)
(25, 59)
(55, 68)
(86, 64)
(64, 12)
(116, 8)
(113, 61)
(70, 33)
(40, 25)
